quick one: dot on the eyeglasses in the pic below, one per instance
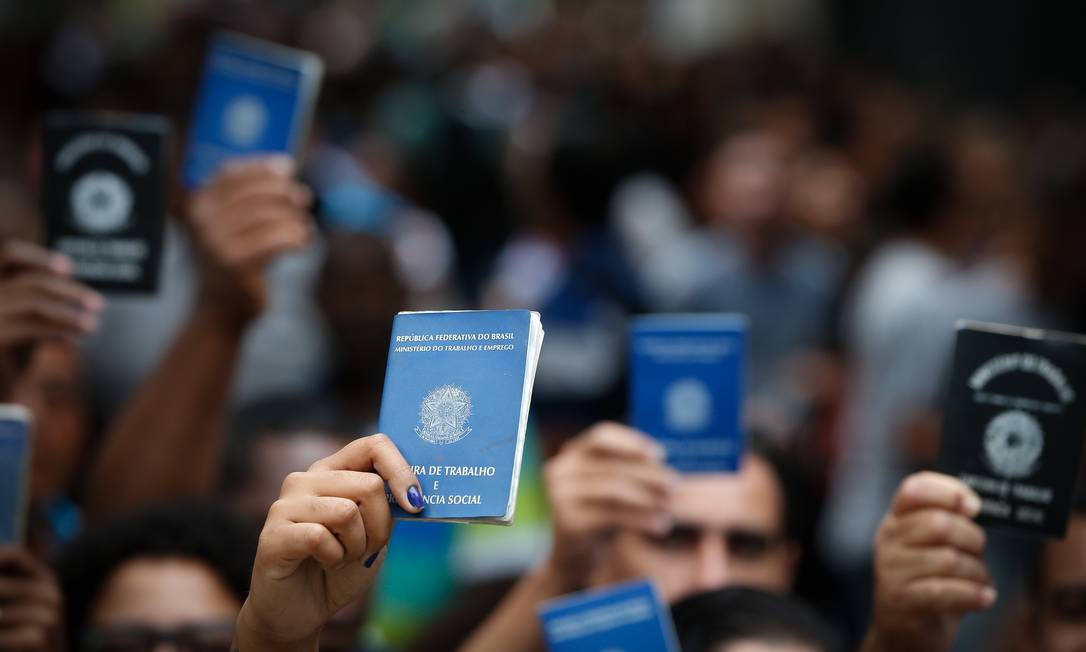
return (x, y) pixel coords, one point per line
(742, 543)
(1066, 603)
(215, 637)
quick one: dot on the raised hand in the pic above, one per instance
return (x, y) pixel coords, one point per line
(929, 567)
(39, 300)
(321, 540)
(251, 212)
(30, 603)
(606, 478)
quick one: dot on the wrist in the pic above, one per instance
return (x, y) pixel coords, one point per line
(253, 636)
(561, 575)
(231, 318)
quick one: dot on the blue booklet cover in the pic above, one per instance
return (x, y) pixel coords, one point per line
(255, 97)
(628, 616)
(14, 471)
(686, 387)
(456, 396)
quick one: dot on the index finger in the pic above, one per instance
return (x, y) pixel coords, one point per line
(615, 439)
(19, 560)
(929, 490)
(20, 254)
(378, 453)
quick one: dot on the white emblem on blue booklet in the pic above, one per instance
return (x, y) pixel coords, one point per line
(686, 387)
(621, 618)
(456, 397)
(255, 98)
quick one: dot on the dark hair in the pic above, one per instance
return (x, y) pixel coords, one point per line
(708, 620)
(797, 495)
(190, 529)
(281, 415)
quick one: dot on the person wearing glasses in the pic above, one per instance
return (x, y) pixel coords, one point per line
(165, 579)
(620, 513)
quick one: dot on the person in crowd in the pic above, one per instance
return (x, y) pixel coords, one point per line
(269, 439)
(898, 329)
(620, 513)
(359, 293)
(321, 542)
(741, 619)
(170, 577)
(745, 253)
(43, 313)
(166, 442)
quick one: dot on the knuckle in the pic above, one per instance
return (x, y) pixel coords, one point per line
(312, 536)
(294, 482)
(940, 524)
(371, 484)
(380, 440)
(341, 510)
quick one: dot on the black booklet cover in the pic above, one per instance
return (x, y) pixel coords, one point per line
(1014, 423)
(104, 196)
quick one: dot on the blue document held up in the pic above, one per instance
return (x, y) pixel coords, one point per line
(457, 391)
(619, 618)
(686, 387)
(15, 449)
(255, 98)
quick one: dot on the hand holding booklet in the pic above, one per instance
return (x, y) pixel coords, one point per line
(457, 391)
(1014, 423)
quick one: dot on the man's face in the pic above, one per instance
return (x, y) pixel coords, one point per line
(164, 604)
(728, 531)
(1062, 608)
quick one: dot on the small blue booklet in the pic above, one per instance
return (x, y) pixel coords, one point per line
(457, 391)
(15, 449)
(686, 387)
(628, 616)
(255, 98)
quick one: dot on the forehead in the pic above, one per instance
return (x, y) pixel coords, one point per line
(751, 497)
(164, 593)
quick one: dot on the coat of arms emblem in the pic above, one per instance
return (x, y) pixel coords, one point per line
(443, 415)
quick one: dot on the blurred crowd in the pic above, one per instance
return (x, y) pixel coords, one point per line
(589, 160)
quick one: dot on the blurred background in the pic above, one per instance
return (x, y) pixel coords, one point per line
(854, 176)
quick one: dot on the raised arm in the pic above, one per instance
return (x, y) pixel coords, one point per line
(320, 546)
(929, 567)
(166, 441)
(608, 477)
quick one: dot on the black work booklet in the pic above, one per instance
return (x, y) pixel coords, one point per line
(1014, 423)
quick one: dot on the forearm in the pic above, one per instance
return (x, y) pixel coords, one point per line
(513, 626)
(166, 441)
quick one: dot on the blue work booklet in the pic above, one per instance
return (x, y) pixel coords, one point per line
(255, 98)
(15, 450)
(456, 397)
(686, 387)
(622, 618)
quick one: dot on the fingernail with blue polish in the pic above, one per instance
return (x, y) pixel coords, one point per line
(414, 496)
(369, 562)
